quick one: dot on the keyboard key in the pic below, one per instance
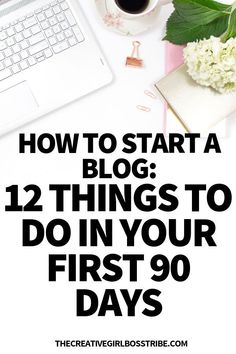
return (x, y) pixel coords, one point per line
(53, 21)
(70, 18)
(64, 25)
(52, 40)
(35, 29)
(72, 41)
(45, 25)
(41, 58)
(1, 66)
(2, 45)
(1, 56)
(60, 37)
(39, 55)
(46, 7)
(19, 28)
(48, 33)
(6, 26)
(48, 53)
(16, 58)
(16, 48)
(38, 47)
(60, 47)
(24, 44)
(24, 54)
(68, 33)
(36, 39)
(5, 74)
(3, 36)
(64, 6)
(49, 13)
(15, 69)
(14, 23)
(57, 29)
(19, 37)
(7, 62)
(78, 34)
(60, 17)
(22, 18)
(32, 61)
(29, 22)
(31, 14)
(27, 34)
(38, 11)
(10, 31)
(56, 10)
(24, 65)
(41, 17)
(7, 52)
(10, 41)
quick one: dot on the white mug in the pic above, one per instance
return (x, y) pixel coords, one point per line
(150, 7)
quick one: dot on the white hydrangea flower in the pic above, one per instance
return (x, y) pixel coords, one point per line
(211, 62)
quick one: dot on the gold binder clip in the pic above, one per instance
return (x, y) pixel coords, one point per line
(134, 59)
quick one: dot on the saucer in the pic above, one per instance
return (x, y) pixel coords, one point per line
(116, 22)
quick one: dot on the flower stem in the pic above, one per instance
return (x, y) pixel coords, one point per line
(231, 23)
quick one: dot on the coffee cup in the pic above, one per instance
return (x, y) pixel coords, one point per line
(137, 8)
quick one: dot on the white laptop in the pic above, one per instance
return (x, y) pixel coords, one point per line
(48, 58)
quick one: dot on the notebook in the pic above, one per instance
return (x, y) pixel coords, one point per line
(184, 97)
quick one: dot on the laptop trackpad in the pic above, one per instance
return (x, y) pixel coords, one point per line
(17, 103)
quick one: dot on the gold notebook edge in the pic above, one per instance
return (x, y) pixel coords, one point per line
(173, 110)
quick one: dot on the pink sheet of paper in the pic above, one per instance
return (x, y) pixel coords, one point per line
(174, 58)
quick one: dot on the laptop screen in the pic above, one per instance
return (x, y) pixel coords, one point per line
(2, 2)
(7, 6)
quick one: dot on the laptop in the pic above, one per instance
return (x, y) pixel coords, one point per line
(48, 58)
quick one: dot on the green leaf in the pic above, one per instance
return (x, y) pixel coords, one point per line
(201, 11)
(231, 30)
(207, 4)
(180, 31)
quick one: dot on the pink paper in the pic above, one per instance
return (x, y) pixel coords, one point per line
(174, 56)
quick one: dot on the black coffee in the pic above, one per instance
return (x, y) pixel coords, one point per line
(133, 6)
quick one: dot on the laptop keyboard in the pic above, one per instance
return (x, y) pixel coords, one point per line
(36, 37)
